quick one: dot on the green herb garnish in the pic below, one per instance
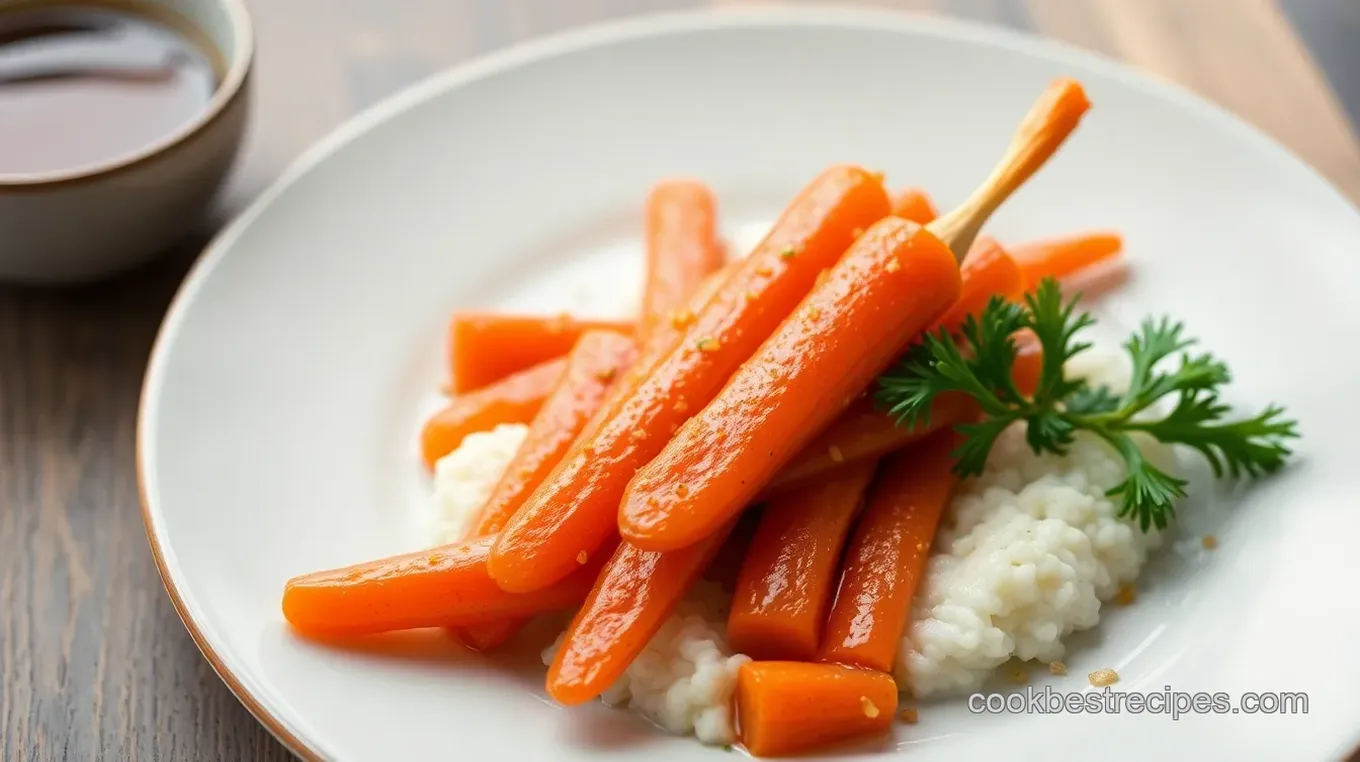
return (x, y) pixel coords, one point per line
(979, 363)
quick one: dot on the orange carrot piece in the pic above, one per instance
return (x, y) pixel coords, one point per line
(514, 399)
(887, 556)
(987, 272)
(631, 599)
(597, 361)
(447, 585)
(682, 248)
(1065, 256)
(890, 285)
(486, 347)
(788, 707)
(866, 431)
(577, 507)
(893, 282)
(914, 204)
(787, 579)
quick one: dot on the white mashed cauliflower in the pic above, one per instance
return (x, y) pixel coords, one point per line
(463, 480)
(1026, 555)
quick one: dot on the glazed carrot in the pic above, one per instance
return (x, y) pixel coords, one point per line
(786, 581)
(514, 399)
(788, 707)
(987, 272)
(682, 248)
(632, 598)
(577, 507)
(914, 204)
(865, 431)
(447, 585)
(1065, 256)
(596, 362)
(485, 347)
(886, 558)
(896, 280)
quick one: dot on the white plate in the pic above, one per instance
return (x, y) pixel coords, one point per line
(279, 416)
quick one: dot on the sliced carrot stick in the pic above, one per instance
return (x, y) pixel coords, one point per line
(631, 599)
(887, 556)
(914, 204)
(577, 507)
(786, 582)
(682, 247)
(866, 431)
(788, 707)
(595, 363)
(987, 272)
(514, 399)
(447, 585)
(894, 282)
(485, 347)
(1065, 256)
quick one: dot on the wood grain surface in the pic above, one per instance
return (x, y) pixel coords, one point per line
(94, 663)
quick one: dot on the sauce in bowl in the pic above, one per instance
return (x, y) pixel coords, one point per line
(83, 85)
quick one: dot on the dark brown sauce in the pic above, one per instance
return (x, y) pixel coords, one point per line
(82, 85)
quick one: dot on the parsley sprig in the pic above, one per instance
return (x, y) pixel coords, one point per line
(979, 363)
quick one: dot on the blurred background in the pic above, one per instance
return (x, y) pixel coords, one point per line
(94, 663)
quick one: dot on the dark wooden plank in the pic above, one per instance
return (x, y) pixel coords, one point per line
(94, 663)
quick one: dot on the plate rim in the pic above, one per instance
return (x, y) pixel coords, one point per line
(570, 40)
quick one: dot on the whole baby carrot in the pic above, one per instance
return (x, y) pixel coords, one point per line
(447, 585)
(682, 247)
(894, 282)
(485, 347)
(632, 598)
(595, 363)
(514, 399)
(1063, 256)
(786, 582)
(914, 204)
(577, 507)
(886, 558)
(785, 708)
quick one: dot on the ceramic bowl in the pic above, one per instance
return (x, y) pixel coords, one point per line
(91, 222)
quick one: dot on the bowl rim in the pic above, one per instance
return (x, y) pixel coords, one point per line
(239, 61)
(564, 42)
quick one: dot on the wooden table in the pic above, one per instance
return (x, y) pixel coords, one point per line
(94, 663)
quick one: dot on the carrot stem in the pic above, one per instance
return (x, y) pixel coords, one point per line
(1047, 125)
